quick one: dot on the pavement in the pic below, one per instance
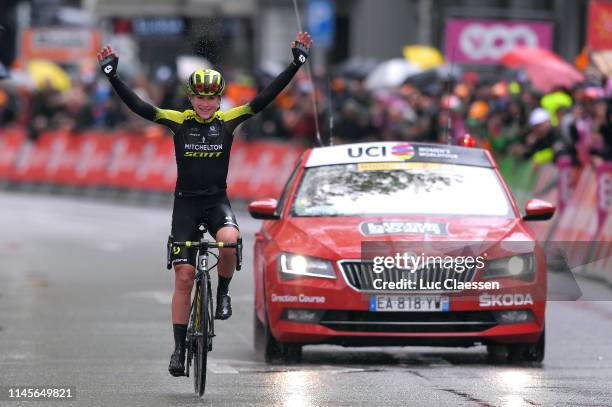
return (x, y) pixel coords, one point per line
(85, 304)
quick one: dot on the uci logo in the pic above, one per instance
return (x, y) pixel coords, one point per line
(108, 69)
(373, 151)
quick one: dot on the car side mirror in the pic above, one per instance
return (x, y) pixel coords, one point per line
(264, 209)
(537, 209)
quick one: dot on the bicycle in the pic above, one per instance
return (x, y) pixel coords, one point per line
(201, 329)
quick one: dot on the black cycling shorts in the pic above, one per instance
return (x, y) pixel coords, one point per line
(188, 213)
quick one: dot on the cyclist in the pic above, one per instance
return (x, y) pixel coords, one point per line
(202, 141)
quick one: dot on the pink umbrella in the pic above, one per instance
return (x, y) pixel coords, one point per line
(545, 69)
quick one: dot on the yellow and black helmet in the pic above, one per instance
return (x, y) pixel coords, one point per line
(206, 82)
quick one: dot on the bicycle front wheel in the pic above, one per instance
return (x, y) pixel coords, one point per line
(202, 336)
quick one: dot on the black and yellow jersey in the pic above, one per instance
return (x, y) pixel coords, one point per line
(202, 147)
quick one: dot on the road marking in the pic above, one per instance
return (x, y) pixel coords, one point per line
(348, 370)
(222, 369)
(160, 297)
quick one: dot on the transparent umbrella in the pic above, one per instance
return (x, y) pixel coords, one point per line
(391, 74)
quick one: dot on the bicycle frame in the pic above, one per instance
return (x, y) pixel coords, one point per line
(202, 272)
(202, 297)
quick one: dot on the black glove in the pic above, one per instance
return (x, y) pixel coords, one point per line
(109, 65)
(300, 53)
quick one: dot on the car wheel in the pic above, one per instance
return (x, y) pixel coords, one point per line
(498, 354)
(258, 334)
(518, 353)
(533, 352)
(266, 347)
(291, 353)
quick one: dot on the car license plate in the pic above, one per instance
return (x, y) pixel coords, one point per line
(413, 303)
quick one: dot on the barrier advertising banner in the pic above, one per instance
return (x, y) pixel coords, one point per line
(477, 41)
(599, 31)
(63, 45)
(604, 192)
(133, 162)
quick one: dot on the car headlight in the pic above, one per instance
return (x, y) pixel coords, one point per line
(521, 266)
(292, 265)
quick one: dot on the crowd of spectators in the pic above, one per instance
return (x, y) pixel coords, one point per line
(506, 115)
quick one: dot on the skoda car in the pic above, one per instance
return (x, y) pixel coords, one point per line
(378, 244)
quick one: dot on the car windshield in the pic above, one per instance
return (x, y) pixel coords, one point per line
(400, 188)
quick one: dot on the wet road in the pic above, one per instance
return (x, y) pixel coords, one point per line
(84, 302)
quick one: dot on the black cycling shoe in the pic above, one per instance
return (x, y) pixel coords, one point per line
(224, 306)
(177, 363)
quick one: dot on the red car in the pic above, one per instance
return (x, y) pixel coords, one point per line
(398, 244)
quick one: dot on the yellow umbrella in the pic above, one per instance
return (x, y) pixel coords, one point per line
(423, 56)
(42, 72)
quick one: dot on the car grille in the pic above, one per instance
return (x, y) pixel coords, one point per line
(408, 322)
(360, 275)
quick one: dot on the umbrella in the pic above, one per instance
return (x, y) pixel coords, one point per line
(391, 74)
(423, 56)
(545, 69)
(44, 73)
(425, 79)
(3, 71)
(356, 67)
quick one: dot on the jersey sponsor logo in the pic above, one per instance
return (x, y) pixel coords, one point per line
(229, 221)
(203, 147)
(213, 132)
(202, 154)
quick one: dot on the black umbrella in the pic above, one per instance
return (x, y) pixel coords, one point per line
(3, 71)
(430, 81)
(356, 67)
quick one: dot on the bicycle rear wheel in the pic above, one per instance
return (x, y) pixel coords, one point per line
(201, 336)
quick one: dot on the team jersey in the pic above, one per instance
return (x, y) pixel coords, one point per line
(202, 147)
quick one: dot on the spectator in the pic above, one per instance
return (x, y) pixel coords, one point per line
(538, 143)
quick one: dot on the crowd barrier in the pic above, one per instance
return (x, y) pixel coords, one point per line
(581, 225)
(126, 161)
(259, 169)
(599, 265)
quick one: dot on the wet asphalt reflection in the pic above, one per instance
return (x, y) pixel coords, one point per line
(84, 302)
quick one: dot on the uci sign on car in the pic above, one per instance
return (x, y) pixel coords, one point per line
(398, 243)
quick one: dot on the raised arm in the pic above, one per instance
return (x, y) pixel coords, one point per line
(299, 48)
(109, 60)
